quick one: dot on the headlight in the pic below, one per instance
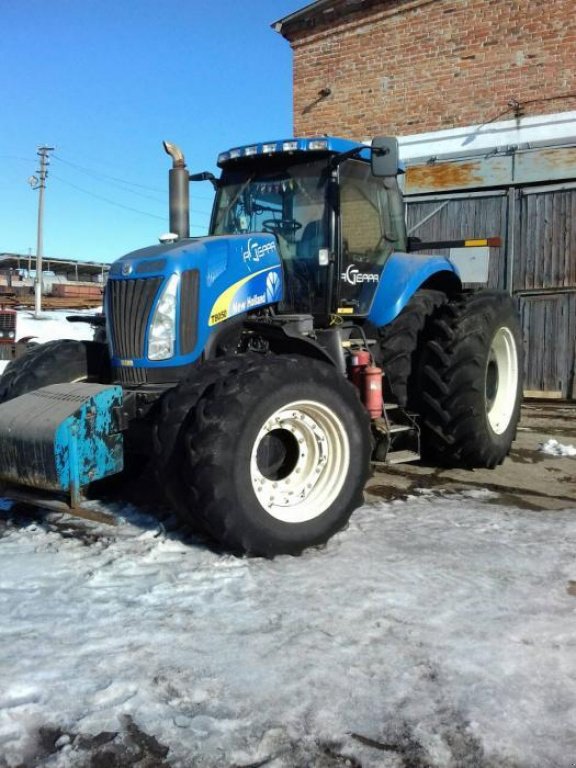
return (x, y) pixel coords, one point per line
(162, 333)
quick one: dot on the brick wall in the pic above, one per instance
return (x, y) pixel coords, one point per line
(411, 66)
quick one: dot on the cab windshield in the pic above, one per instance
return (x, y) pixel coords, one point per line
(289, 202)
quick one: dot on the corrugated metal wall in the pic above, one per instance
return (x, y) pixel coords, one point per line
(537, 263)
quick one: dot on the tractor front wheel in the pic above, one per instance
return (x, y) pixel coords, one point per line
(56, 362)
(273, 456)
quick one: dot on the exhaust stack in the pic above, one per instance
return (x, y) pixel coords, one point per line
(178, 192)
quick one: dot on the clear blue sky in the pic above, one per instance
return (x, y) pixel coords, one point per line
(104, 82)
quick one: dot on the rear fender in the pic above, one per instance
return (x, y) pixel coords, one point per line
(402, 276)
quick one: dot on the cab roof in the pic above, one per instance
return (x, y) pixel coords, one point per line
(328, 145)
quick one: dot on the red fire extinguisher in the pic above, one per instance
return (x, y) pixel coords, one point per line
(368, 378)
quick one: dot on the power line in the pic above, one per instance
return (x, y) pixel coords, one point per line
(113, 202)
(116, 180)
(96, 174)
(15, 157)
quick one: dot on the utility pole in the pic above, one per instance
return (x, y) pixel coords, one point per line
(40, 183)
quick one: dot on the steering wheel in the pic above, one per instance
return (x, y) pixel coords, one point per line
(284, 227)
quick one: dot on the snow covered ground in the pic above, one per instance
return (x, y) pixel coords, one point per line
(438, 631)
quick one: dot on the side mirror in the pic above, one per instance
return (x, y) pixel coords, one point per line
(384, 156)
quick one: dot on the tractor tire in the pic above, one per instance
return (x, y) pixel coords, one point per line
(56, 362)
(400, 346)
(272, 455)
(471, 381)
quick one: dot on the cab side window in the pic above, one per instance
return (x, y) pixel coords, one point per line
(367, 235)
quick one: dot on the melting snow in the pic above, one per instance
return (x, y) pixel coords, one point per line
(554, 448)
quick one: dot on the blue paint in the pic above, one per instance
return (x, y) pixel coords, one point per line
(221, 262)
(87, 446)
(402, 276)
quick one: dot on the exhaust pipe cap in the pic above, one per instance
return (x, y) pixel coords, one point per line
(175, 153)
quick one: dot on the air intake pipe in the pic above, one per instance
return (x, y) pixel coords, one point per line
(178, 192)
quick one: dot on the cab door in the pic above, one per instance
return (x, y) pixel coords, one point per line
(368, 234)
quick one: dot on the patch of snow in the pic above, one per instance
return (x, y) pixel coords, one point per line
(554, 448)
(437, 632)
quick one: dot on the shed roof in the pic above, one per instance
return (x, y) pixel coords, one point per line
(25, 261)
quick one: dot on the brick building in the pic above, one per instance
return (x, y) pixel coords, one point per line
(412, 66)
(482, 95)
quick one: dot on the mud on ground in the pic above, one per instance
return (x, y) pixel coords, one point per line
(528, 478)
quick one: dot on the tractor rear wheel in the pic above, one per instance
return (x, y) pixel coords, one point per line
(471, 381)
(272, 456)
(400, 346)
(56, 362)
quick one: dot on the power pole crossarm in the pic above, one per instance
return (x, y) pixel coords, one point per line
(41, 185)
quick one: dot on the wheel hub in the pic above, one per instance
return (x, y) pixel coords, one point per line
(299, 461)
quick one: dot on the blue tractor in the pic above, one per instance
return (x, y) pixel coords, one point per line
(261, 369)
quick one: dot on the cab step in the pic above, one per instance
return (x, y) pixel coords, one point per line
(398, 457)
(397, 437)
(400, 428)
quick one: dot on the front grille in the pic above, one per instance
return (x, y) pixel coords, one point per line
(129, 305)
(189, 310)
(7, 321)
(131, 375)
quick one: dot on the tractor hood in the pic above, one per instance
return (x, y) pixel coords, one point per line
(213, 279)
(216, 254)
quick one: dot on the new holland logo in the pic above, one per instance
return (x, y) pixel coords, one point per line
(273, 287)
(126, 269)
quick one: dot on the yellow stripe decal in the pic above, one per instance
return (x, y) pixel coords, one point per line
(219, 311)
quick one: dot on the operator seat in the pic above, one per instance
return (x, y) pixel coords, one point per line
(310, 243)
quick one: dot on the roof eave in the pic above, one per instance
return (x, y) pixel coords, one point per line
(298, 18)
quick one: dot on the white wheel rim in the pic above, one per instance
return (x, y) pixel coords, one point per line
(316, 453)
(501, 380)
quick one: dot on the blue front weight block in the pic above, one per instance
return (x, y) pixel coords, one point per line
(60, 438)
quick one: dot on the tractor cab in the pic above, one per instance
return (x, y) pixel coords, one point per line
(335, 216)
